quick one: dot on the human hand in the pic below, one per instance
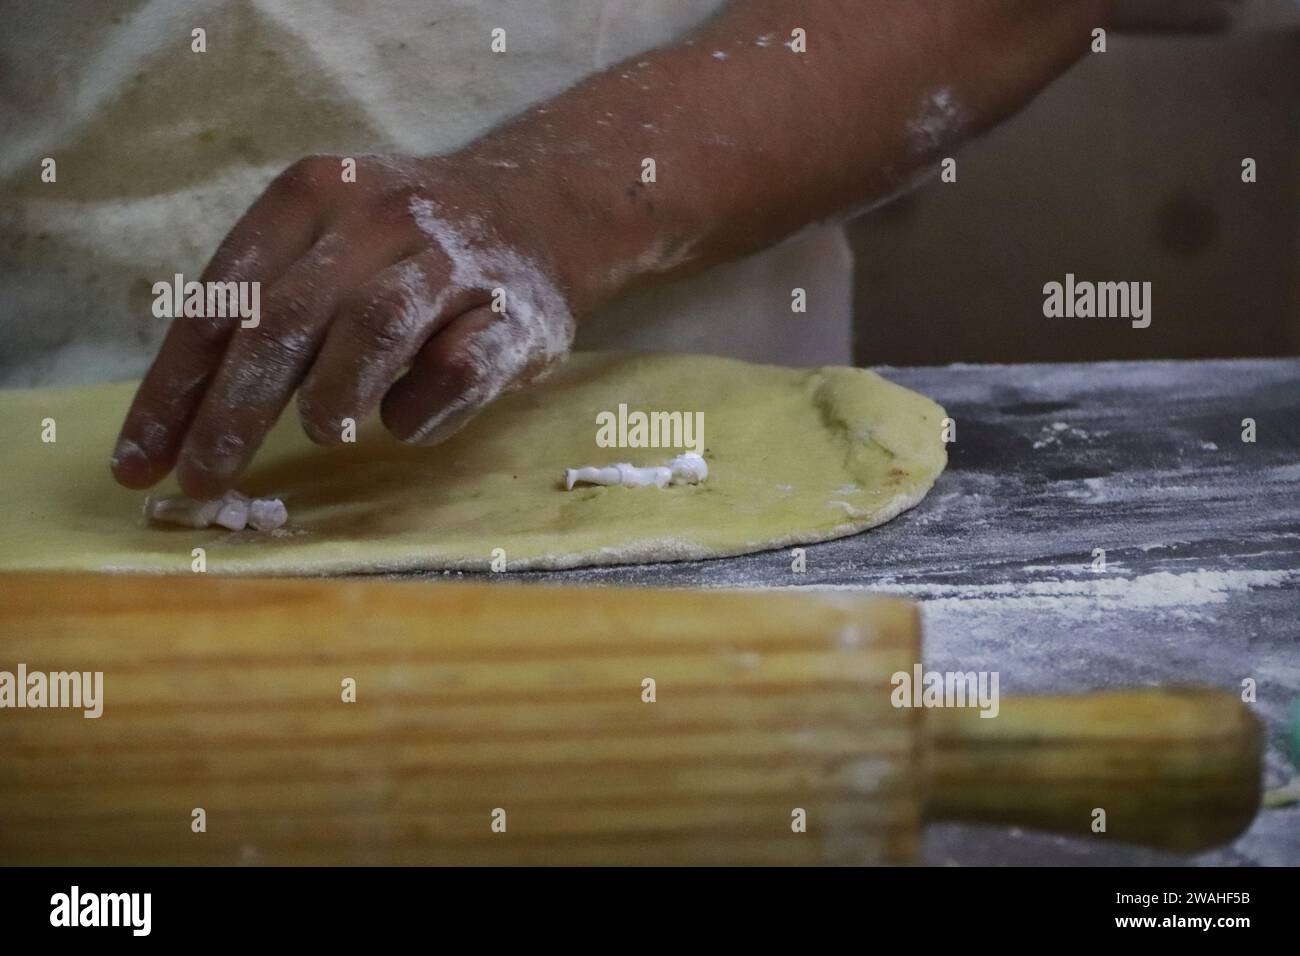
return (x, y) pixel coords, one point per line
(412, 289)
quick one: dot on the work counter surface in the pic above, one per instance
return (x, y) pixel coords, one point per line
(1051, 465)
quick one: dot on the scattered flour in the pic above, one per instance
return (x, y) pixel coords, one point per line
(1084, 597)
(1160, 589)
(1054, 435)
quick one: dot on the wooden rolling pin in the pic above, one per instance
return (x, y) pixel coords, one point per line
(508, 724)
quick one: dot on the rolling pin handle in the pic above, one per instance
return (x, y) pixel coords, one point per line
(1175, 769)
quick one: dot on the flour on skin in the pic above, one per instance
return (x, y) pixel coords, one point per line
(531, 337)
(941, 121)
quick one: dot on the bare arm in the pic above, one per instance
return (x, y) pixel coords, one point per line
(753, 141)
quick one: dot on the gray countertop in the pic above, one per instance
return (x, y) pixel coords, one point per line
(1145, 460)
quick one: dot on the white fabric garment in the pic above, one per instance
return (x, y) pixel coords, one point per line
(160, 149)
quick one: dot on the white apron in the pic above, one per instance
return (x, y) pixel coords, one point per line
(160, 149)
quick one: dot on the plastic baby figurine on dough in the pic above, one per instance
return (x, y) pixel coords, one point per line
(687, 469)
(233, 511)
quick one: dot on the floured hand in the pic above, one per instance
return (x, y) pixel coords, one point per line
(411, 290)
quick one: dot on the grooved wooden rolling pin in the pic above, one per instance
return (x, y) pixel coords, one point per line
(512, 724)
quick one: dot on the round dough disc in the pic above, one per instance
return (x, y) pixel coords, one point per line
(795, 456)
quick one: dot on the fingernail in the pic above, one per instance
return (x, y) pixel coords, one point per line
(445, 423)
(127, 450)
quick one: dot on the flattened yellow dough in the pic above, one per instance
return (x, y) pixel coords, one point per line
(795, 456)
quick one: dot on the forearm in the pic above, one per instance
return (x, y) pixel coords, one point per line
(751, 141)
